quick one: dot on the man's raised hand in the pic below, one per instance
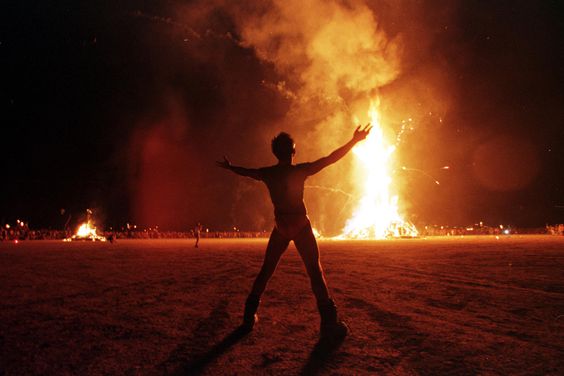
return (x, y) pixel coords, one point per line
(361, 133)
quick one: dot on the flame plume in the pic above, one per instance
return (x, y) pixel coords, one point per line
(377, 214)
(86, 231)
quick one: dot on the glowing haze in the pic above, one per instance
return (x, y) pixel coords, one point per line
(330, 50)
(335, 59)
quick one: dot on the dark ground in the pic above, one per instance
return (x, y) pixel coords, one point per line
(440, 306)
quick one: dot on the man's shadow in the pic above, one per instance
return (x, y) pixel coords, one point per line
(199, 363)
(322, 352)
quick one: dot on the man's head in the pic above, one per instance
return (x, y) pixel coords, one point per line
(283, 146)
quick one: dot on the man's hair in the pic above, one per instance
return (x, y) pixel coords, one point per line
(283, 146)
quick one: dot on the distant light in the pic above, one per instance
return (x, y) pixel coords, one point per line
(506, 231)
(7, 225)
(16, 241)
(445, 167)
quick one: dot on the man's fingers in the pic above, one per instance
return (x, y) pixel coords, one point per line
(363, 131)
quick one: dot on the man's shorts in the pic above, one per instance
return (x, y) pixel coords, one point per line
(290, 225)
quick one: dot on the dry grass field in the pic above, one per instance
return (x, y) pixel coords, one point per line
(440, 306)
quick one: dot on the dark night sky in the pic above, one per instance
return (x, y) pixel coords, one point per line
(124, 108)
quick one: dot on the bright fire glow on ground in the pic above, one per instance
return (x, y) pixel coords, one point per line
(377, 214)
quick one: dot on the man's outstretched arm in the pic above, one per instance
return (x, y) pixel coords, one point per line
(359, 134)
(249, 172)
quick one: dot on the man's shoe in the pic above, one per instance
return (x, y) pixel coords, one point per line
(331, 327)
(250, 317)
(249, 323)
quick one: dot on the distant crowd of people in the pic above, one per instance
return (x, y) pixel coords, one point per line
(478, 229)
(555, 229)
(32, 234)
(192, 234)
(23, 232)
(481, 229)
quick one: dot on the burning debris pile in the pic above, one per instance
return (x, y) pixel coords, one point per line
(86, 231)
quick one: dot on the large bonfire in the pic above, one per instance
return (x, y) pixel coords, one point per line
(377, 213)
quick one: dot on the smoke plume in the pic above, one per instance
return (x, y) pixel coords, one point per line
(308, 68)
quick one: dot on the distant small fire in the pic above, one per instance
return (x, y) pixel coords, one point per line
(87, 232)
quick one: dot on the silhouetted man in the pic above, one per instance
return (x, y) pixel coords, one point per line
(285, 182)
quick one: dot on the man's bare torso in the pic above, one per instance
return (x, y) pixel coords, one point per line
(286, 187)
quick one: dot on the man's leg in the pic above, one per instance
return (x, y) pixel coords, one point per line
(307, 248)
(277, 244)
(331, 327)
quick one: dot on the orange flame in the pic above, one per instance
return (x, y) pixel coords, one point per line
(377, 214)
(86, 231)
